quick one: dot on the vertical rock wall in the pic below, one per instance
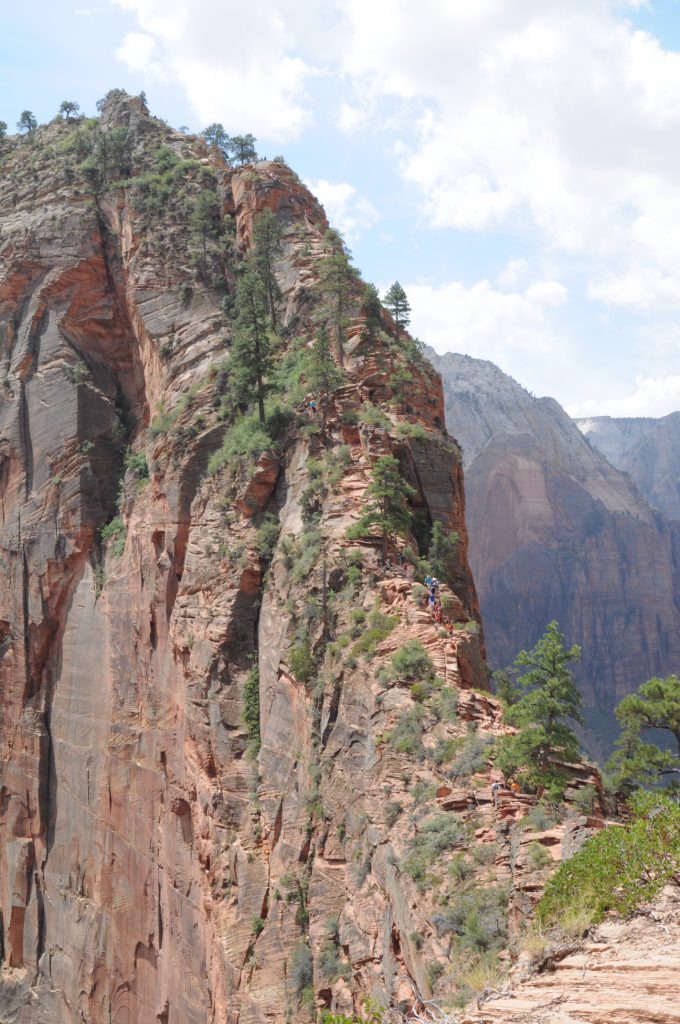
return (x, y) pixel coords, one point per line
(150, 869)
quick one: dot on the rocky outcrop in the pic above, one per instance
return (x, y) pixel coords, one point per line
(557, 533)
(161, 857)
(645, 448)
(625, 971)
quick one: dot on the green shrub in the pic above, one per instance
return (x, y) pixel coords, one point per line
(445, 751)
(251, 710)
(267, 536)
(331, 965)
(379, 628)
(446, 705)
(392, 813)
(246, 439)
(136, 462)
(619, 868)
(407, 735)
(412, 662)
(302, 661)
(541, 816)
(538, 856)
(372, 416)
(477, 918)
(439, 834)
(423, 791)
(585, 799)
(116, 533)
(421, 691)
(472, 756)
(301, 974)
(257, 925)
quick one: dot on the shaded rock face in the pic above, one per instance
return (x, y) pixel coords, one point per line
(152, 866)
(647, 449)
(557, 533)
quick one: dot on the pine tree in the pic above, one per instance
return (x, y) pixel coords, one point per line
(204, 222)
(216, 136)
(27, 122)
(388, 495)
(267, 233)
(242, 148)
(372, 309)
(637, 762)
(251, 351)
(3, 130)
(336, 278)
(539, 714)
(69, 109)
(398, 305)
(323, 376)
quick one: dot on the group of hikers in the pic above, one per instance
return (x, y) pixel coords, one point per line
(434, 603)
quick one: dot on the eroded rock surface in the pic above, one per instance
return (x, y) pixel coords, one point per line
(152, 869)
(625, 972)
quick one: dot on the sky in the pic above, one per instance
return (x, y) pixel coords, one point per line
(515, 165)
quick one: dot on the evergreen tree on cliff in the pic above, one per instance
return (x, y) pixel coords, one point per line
(267, 233)
(323, 376)
(539, 714)
(27, 122)
(242, 148)
(388, 495)
(638, 762)
(336, 279)
(216, 136)
(397, 304)
(251, 351)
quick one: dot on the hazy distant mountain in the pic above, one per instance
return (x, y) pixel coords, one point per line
(648, 449)
(556, 532)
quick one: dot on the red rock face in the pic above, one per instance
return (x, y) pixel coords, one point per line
(150, 868)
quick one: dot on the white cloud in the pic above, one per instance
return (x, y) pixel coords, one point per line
(558, 116)
(347, 211)
(511, 328)
(137, 51)
(642, 288)
(243, 66)
(653, 396)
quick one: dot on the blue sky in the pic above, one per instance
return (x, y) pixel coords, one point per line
(513, 165)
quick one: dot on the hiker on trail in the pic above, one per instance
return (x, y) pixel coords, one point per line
(428, 581)
(514, 786)
(495, 788)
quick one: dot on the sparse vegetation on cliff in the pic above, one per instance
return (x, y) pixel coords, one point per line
(656, 706)
(550, 697)
(620, 868)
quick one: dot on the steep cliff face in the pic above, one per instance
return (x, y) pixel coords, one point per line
(557, 532)
(648, 449)
(154, 865)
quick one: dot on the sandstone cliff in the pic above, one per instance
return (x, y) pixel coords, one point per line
(557, 532)
(158, 860)
(647, 449)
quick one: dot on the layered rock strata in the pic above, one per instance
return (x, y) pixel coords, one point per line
(154, 864)
(624, 971)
